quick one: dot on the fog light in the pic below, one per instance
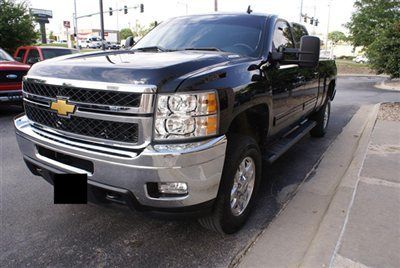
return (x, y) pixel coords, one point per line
(173, 188)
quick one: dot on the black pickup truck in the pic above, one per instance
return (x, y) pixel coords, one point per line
(182, 122)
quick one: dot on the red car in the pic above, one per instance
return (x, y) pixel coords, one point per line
(33, 54)
(11, 73)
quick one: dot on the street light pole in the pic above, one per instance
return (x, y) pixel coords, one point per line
(215, 5)
(327, 26)
(101, 24)
(76, 27)
(301, 10)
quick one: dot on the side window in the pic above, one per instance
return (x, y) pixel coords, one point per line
(282, 36)
(33, 56)
(298, 31)
(21, 54)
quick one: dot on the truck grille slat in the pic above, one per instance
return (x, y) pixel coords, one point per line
(84, 95)
(102, 129)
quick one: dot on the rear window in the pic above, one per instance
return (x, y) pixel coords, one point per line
(49, 53)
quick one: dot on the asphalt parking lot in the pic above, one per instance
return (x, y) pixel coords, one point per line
(35, 232)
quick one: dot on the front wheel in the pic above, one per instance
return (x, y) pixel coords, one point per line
(322, 119)
(239, 184)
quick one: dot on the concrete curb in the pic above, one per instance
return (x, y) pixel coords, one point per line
(384, 86)
(364, 75)
(297, 236)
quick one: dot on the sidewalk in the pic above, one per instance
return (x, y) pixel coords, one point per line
(348, 214)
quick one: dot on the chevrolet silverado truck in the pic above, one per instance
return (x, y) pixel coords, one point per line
(182, 122)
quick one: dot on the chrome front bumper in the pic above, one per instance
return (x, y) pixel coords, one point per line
(199, 165)
(10, 95)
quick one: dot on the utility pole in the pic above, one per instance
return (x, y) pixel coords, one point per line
(117, 18)
(215, 5)
(301, 10)
(315, 15)
(327, 26)
(76, 27)
(101, 24)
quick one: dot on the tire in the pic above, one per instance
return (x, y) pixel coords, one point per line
(322, 118)
(225, 219)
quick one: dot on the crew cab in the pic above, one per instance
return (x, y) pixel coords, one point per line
(11, 73)
(33, 54)
(183, 122)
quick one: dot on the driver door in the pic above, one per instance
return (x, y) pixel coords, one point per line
(285, 80)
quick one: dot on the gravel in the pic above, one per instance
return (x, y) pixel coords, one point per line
(389, 111)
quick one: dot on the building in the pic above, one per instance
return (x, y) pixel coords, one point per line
(109, 35)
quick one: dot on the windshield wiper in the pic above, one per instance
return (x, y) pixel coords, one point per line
(152, 48)
(204, 48)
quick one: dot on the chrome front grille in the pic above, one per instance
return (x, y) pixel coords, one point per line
(102, 129)
(112, 114)
(85, 95)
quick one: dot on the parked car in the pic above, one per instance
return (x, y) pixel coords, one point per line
(11, 73)
(180, 124)
(112, 45)
(32, 54)
(326, 54)
(361, 59)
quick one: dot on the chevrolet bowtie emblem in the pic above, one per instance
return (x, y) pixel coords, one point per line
(62, 107)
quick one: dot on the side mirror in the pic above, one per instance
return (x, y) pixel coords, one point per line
(129, 42)
(18, 59)
(309, 51)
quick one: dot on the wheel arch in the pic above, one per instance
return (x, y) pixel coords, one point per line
(253, 121)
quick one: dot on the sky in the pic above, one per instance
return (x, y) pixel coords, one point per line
(160, 10)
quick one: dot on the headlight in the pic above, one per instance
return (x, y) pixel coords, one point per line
(180, 116)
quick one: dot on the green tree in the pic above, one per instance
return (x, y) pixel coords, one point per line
(125, 33)
(375, 26)
(140, 30)
(17, 26)
(52, 36)
(371, 18)
(336, 37)
(384, 52)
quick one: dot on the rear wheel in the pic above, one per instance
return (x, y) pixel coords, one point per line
(239, 184)
(322, 119)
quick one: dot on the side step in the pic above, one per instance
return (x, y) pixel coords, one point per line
(275, 150)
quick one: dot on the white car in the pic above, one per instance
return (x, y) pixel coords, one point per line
(361, 59)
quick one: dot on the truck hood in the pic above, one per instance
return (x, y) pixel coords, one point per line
(163, 69)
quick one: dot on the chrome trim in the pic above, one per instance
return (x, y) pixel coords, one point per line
(10, 91)
(37, 103)
(134, 88)
(288, 66)
(145, 106)
(144, 138)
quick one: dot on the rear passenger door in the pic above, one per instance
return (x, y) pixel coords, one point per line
(285, 81)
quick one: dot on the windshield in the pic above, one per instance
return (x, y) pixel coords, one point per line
(49, 53)
(231, 33)
(4, 56)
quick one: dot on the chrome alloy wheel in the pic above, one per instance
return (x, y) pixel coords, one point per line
(326, 117)
(243, 186)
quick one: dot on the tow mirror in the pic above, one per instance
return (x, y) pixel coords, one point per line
(309, 51)
(129, 42)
